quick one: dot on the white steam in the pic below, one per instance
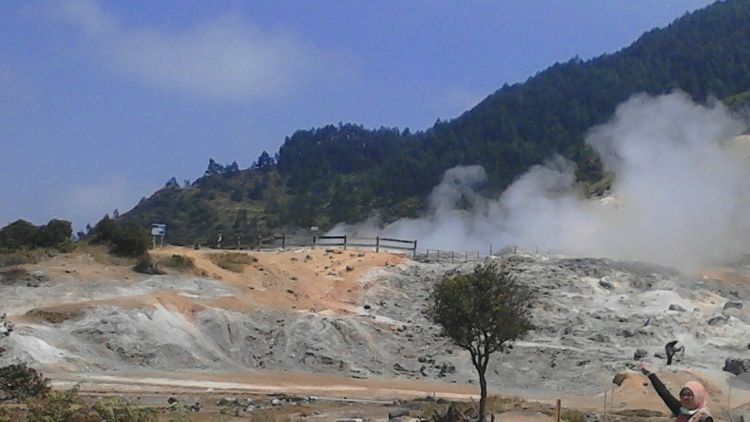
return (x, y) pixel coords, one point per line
(681, 194)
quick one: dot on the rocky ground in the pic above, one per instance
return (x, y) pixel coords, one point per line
(357, 320)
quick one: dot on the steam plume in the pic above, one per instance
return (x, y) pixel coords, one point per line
(680, 197)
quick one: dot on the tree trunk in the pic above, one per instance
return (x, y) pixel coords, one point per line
(482, 393)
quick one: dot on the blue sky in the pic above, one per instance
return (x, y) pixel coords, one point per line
(101, 102)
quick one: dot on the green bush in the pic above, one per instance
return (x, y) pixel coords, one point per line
(57, 406)
(130, 240)
(146, 265)
(178, 262)
(17, 235)
(120, 410)
(54, 233)
(21, 235)
(20, 382)
(234, 262)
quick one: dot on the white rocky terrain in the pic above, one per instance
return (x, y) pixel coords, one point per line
(356, 321)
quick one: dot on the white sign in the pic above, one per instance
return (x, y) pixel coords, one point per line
(158, 229)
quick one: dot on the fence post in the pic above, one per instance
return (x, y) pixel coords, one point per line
(377, 243)
(557, 411)
(315, 240)
(414, 255)
(283, 241)
(344, 242)
(490, 249)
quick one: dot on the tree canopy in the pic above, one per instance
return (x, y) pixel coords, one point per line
(482, 312)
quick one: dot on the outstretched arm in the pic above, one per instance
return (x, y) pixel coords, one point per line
(672, 403)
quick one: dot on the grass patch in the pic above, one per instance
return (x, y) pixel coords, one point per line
(100, 254)
(33, 256)
(54, 316)
(430, 408)
(234, 262)
(641, 413)
(180, 263)
(572, 416)
(14, 275)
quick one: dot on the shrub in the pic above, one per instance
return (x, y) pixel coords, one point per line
(54, 233)
(233, 261)
(20, 382)
(131, 240)
(57, 406)
(120, 410)
(18, 234)
(178, 262)
(23, 235)
(18, 258)
(146, 265)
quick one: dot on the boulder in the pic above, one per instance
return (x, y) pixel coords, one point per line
(736, 366)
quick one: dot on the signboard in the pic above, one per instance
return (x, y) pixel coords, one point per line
(158, 229)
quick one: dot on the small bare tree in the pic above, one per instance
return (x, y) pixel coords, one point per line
(482, 311)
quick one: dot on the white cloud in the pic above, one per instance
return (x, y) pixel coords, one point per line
(226, 58)
(680, 196)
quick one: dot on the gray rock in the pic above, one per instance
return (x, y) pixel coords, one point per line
(606, 284)
(676, 307)
(396, 413)
(736, 366)
(732, 305)
(718, 320)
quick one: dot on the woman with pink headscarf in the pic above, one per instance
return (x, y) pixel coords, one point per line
(692, 404)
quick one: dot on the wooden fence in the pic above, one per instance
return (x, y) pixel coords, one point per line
(345, 241)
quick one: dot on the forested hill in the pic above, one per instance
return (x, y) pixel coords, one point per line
(341, 173)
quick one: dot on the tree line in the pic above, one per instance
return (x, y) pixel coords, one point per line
(342, 173)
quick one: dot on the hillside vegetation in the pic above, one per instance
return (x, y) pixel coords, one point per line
(344, 172)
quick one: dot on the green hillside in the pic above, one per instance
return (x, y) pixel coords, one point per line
(342, 173)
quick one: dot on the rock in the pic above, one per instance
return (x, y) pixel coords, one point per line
(676, 307)
(640, 354)
(275, 402)
(599, 338)
(350, 268)
(619, 378)
(718, 320)
(606, 284)
(39, 276)
(736, 366)
(396, 413)
(732, 305)
(626, 333)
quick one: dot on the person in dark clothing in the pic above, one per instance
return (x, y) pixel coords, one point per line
(692, 404)
(671, 348)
